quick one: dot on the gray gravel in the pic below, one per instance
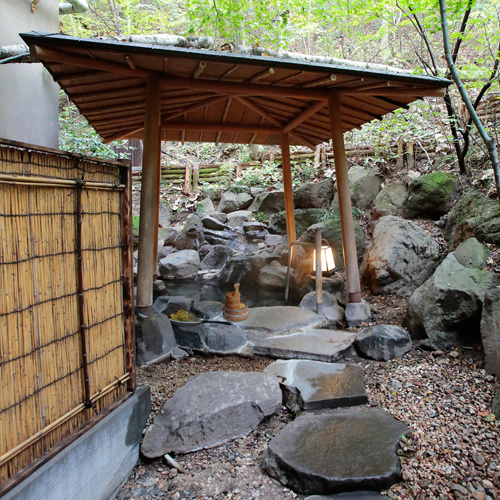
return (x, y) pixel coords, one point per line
(451, 451)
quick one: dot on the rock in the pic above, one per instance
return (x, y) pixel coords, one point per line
(364, 183)
(337, 450)
(314, 194)
(211, 409)
(211, 338)
(471, 253)
(254, 226)
(231, 202)
(473, 215)
(169, 305)
(317, 345)
(190, 237)
(400, 257)
(351, 495)
(357, 313)
(216, 259)
(159, 288)
(205, 206)
(279, 319)
(304, 218)
(238, 218)
(389, 200)
(447, 307)
(495, 408)
(431, 195)
(273, 275)
(236, 269)
(331, 310)
(332, 233)
(313, 385)
(256, 235)
(214, 237)
(254, 191)
(269, 202)
(490, 331)
(213, 223)
(164, 213)
(208, 309)
(155, 339)
(273, 240)
(163, 251)
(383, 342)
(182, 265)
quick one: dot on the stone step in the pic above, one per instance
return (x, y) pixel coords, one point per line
(314, 385)
(333, 451)
(315, 344)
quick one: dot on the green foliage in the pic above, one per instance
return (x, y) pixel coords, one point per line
(262, 217)
(267, 174)
(135, 225)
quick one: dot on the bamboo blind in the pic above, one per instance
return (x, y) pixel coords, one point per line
(60, 282)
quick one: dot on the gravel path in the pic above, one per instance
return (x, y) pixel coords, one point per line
(451, 451)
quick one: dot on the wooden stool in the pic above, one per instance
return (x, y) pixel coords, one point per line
(234, 310)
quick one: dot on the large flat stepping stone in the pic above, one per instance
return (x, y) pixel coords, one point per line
(313, 385)
(337, 450)
(211, 409)
(350, 495)
(279, 319)
(314, 344)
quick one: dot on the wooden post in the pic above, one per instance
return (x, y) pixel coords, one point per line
(345, 206)
(287, 186)
(319, 272)
(150, 193)
(157, 212)
(400, 160)
(196, 177)
(127, 275)
(187, 179)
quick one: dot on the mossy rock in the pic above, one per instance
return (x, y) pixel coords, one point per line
(304, 217)
(135, 225)
(430, 195)
(473, 215)
(332, 233)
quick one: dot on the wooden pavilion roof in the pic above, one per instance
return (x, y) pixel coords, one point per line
(211, 96)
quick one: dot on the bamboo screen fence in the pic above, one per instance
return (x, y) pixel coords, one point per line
(66, 346)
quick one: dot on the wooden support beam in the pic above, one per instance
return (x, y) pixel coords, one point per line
(234, 88)
(345, 206)
(289, 77)
(302, 117)
(287, 187)
(87, 62)
(150, 192)
(229, 71)
(327, 80)
(199, 69)
(193, 107)
(416, 92)
(123, 134)
(219, 127)
(393, 102)
(224, 117)
(262, 74)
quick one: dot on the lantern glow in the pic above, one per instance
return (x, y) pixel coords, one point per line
(327, 261)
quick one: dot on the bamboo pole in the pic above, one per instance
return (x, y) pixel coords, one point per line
(44, 182)
(345, 206)
(287, 186)
(150, 193)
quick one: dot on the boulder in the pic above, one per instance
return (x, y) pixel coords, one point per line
(314, 194)
(231, 202)
(400, 257)
(273, 275)
(332, 233)
(273, 240)
(495, 406)
(315, 344)
(337, 450)
(211, 409)
(256, 235)
(268, 202)
(357, 313)
(430, 195)
(214, 237)
(155, 339)
(208, 309)
(490, 331)
(304, 218)
(213, 223)
(473, 215)
(210, 338)
(190, 237)
(389, 200)
(182, 265)
(238, 218)
(169, 305)
(217, 258)
(236, 269)
(205, 206)
(364, 183)
(330, 310)
(447, 307)
(164, 213)
(313, 385)
(471, 253)
(383, 342)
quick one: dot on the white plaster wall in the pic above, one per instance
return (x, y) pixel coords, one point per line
(28, 95)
